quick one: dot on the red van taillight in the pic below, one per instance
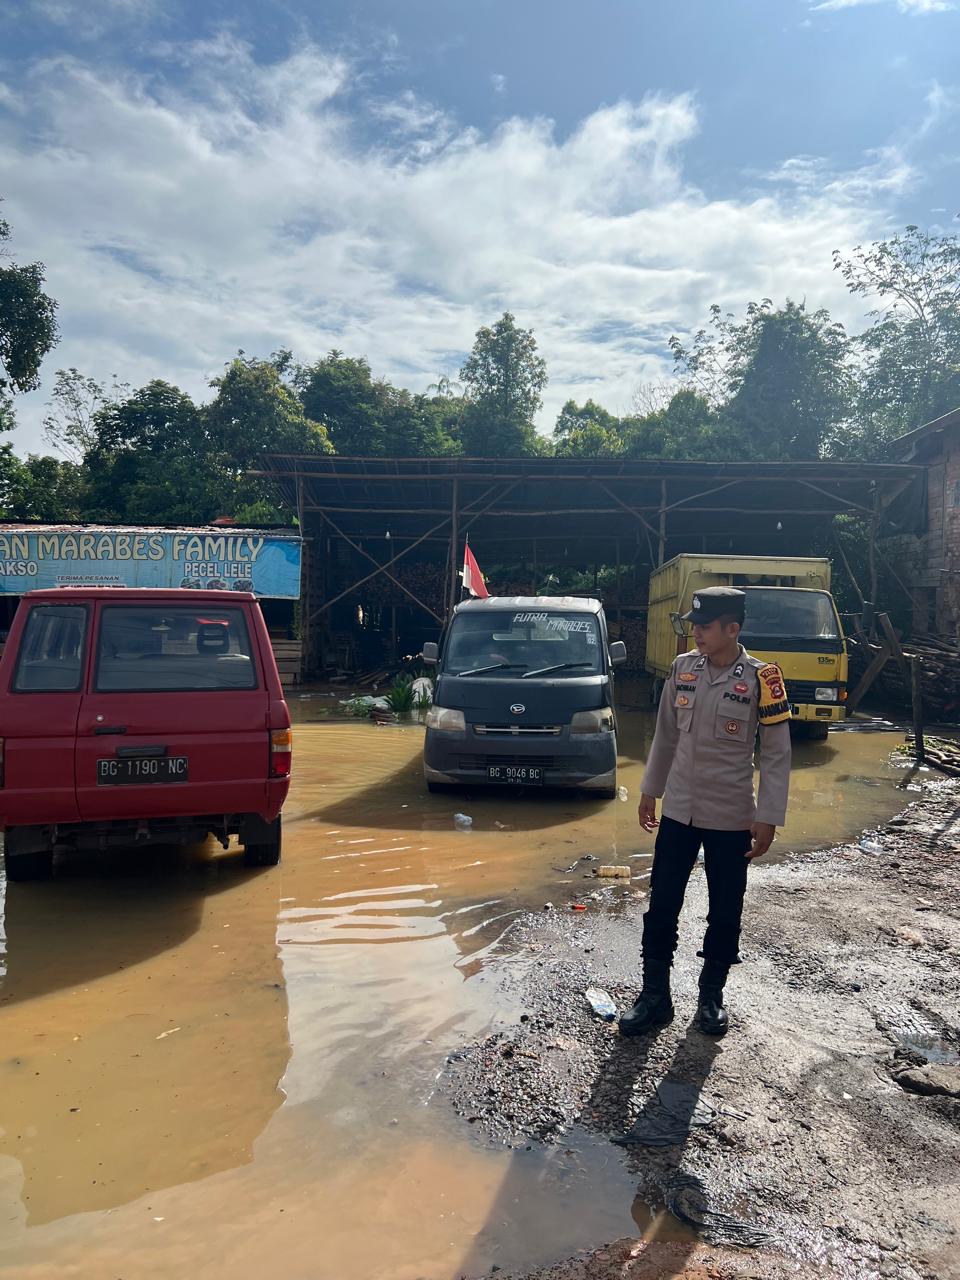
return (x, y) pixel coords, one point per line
(281, 752)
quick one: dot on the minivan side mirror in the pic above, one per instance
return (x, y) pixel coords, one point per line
(431, 653)
(677, 623)
(618, 653)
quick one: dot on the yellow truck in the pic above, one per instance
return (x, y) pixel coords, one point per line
(791, 619)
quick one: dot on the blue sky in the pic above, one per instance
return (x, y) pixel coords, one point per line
(385, 176)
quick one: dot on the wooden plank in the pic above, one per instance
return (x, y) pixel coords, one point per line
(880, 660)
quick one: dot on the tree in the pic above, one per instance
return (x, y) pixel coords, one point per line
(28, 326)
(910, 356)
(687, 427)
(151, 462)
(340, 392)
(780, 379)
(504, 377)
(70, 426)
(587, 431)
(254, 413)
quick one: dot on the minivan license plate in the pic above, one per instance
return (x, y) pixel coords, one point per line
(142, 770)
(520, 774)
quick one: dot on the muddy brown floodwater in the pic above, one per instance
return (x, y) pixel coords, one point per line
(214, 1072)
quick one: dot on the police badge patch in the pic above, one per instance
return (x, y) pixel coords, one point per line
(774, 704)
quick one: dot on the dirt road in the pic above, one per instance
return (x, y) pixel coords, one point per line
(835, 1098)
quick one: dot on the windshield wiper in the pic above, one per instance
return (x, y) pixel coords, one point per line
(496, 666)
(560, 666)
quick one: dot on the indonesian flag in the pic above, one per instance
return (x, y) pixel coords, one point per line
(472, 577)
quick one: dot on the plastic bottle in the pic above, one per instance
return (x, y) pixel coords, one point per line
(601, 1004)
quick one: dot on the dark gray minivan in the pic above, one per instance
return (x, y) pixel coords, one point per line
(524, 696)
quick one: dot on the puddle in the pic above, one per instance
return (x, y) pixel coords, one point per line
(933, 1048)
(205, 1069)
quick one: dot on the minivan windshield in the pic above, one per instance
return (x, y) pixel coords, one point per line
(782, 613)
(518, 642)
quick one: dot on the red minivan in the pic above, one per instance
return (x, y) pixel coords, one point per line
(132, 716)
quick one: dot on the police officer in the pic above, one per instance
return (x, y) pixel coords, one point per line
(701, 763)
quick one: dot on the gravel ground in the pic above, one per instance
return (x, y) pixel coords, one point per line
(832, 1146)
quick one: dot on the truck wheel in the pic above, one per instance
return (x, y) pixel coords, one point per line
(26, 863)
(264, 849)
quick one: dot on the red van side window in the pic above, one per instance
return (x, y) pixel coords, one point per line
(51, 650)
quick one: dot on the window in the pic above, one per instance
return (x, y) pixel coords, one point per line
(786, 614)
(51, 650)
(522, 640)
(153, 650)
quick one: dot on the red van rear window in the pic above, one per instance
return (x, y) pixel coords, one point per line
(173, 649)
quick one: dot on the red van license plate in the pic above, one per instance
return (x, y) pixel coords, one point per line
(521, 775)
(147, 769)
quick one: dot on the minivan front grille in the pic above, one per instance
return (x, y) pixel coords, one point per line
(516, 730)
(484, 762)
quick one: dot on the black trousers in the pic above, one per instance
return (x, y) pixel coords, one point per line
(674, 856)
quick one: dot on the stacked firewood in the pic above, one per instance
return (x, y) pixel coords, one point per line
(939, 675)
(942, 753)
(633, 633)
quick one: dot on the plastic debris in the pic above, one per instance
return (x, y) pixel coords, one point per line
(686, 1198)
(422, 689)
(614, 873)
(462, 821)
(871, 846)
(622, 793)
(578, 906)
(601, 1004)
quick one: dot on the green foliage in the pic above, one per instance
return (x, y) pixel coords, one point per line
(909, 371)
(70, 424)
(28, 322)
(367, 417)
(504, 377)
(587, 431)
(779, 379)
(400, 696)
(688, 427)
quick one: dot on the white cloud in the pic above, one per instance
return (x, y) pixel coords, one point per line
(91, 18)
(240, 208)
(498, 82)
(905, 6)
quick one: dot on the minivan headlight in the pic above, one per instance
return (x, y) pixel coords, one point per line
(826, 694)
(446, 720)
(600, 721)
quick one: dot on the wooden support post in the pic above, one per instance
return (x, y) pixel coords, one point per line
(619, 590)
(880, 660)
(872, 547)
(916, 698)
(454, 545)
(662, 546)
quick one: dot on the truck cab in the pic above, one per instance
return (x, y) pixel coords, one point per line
(791, 619)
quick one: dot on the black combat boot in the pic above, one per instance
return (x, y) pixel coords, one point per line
(653, 1007)
(711, 1015)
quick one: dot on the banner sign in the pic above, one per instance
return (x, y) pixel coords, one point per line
(227, 560)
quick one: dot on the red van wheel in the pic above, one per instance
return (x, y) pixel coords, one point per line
(23, 859)
(261, 848)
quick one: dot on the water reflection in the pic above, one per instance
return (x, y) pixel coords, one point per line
(144, 1027)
